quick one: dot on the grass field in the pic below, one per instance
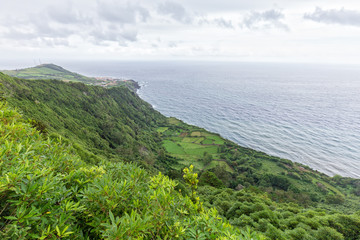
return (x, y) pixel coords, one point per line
(162, 129)
(173, 147)
(173, 121)
(214, 164)
(208, 141)
(196, 134)
(216, 139)
(190, 145)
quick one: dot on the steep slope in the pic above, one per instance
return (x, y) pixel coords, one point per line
(47, 192)
(252, 208)
(115, 124)
(112, 123)
(222, 163)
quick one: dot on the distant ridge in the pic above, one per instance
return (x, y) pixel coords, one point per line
(49, 71)
(52, 71)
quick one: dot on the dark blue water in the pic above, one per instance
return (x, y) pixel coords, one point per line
(306, 113)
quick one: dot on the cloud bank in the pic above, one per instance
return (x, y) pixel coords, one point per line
(335, 16)
(264, 20)
(175, 11)
(181, 29)
(100, 23)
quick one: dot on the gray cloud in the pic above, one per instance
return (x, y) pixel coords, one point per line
(206, 6)
(334, 16)
(172, 44)
(100, 23)
(53, 42)
(39, 28)
(65, 14)
(42, 26)
(118, 22)
(103, 34)
(129, 34)
(219, 22)
(175, 11)
(122, 13)
(262, 20)
(36, 27)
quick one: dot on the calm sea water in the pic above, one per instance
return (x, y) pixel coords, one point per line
(306, 113)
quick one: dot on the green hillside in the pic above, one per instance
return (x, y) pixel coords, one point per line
(52, 71)
(47, 192)
(282, 199)
(102, 123)
(48, 71)
(237, 167)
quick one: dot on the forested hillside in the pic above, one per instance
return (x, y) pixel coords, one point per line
(111, 123)
(103, 126)
(282, 199)
(223, 163)
(48, 192)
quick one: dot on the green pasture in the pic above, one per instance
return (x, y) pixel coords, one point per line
(271, 167)
(200, 151)
(173, 147)
(188, 140)
(173, 121)
(216, 139)
(191, 144)
(196, 134)
(162, 129)
(207, 141)
(215, 163)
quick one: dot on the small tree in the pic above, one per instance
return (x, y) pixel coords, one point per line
(325, 233)
(191, 180)
(209, 178)
(207, 158)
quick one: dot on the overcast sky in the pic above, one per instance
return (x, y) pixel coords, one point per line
(236, 30)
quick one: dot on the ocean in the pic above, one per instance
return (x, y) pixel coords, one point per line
(307, 113)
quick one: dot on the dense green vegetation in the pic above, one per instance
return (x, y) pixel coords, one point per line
(253, 208)
(102, 123)
(282, 199)
(47, 192)
(237, 167)
(101, 128)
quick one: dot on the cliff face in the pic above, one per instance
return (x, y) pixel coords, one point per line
(105, 122)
